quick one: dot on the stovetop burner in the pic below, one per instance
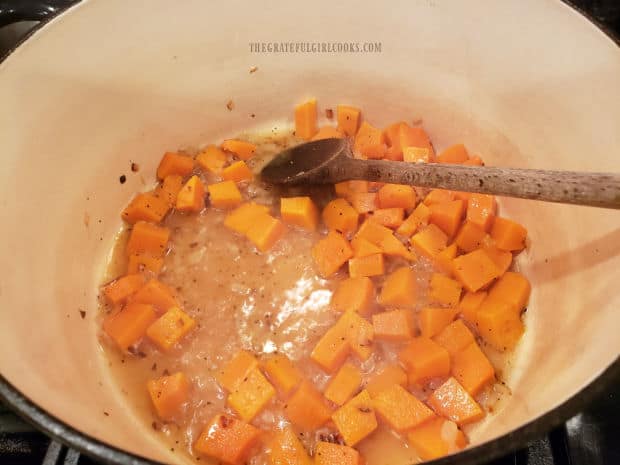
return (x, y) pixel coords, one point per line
(589, 438)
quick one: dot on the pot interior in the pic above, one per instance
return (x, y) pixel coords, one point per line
(109, 83)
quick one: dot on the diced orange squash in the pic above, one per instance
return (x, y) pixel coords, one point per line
(224, 194)
(513, 288)
(444, 290)
(367, 137)
(399, 289)
(244, 150)
(391, 134)
(227, 439)
(356, 419)
(455, 337)
(251, 395)
(373, 232)
(438, 196)
(327, 132)
(373, 152)
(344, 384)
(443, 260)
(508, 235)
(282, 373)
(447, 215)
(305, 119)
(474, 270)
(418, 218)
(348, 119)
(370, 265)
(472, 369)
(265, 231)
(287, 449)
(429, 440)
(170, 328)
(120, 289)
(327, 453)
(469, 305)
(474, 161)
(396, 195)
(140, 262)
(237, 172)
(354, 294)
(454, 154)
(469, 237)
(145, 207)
(359, 332)
(400, 409)
(389, 217)
(359, 186)
(236, 369)
(168, 394)
(242, 217)
(299, 211)
(363, 202)
(499, 323)
(128, 325)
(363, 248)
(464, 196)
(429, 241)
(424, 359)
(212, 159)
(432, 320)
(406, 136)
(147, 238)
(332, 349)
(394, 325)
(169, 189)
(392, 246)
(307, 408)
(342, 189)
(452, 401)
(340, 216)
(174, 163)
(156, 293)
(191, 197)
(385, 378)
(330, 253)
(481, 210)
(501, 258)
(417, 155)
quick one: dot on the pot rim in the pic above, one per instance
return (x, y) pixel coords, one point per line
(514, 440)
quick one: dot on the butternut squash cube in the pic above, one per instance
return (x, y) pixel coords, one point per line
(340, 216)
(469, 237)
(399, 289)
(417, 155)
(513, 288)
(307, 408)
(236, 369)
(169, 394)
(508, 235)
(265, 231)
(120, 289)
(147, 238)
(251, 394)
(455, 337)
(354, 294)
(481, 209)
(367, 139)
(212, 159)
(447, 215)
(330, 253)
(145, 207)
(371, 265)
(363, 248)
(444, 290)
(282, 372)
(472, 369)
(429, 241)
(332, 349)
(327, 132)
(429, 439)
(359, 332)
(395, 325)
(286, 449)
(424, 359)
(344, 384)
(156, 293)
(454, 154)
(386, 378)
(128, 325)
(396, 196)
(432, 320)
(305, 119)
(356, 419)
(327, 453)
(474, 270)
(169, 189)
(242, 149)
(299, 211)
(174, 163)
(469, 305)
(224, 194)
(169, 328)
(191, 197)
(438, 196)
(141, 262)
(400, 409)
(452, 401)
(389, 217)
(227, 439)
(418, 219)
(242, 217)
(363, 202)
(499, 323)
(348, 119)
(237, 172)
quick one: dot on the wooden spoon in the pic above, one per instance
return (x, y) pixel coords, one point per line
(329, 161)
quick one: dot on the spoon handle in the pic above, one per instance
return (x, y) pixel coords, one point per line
(593, 189)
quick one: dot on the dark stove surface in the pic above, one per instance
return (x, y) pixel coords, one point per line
(590, 438)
